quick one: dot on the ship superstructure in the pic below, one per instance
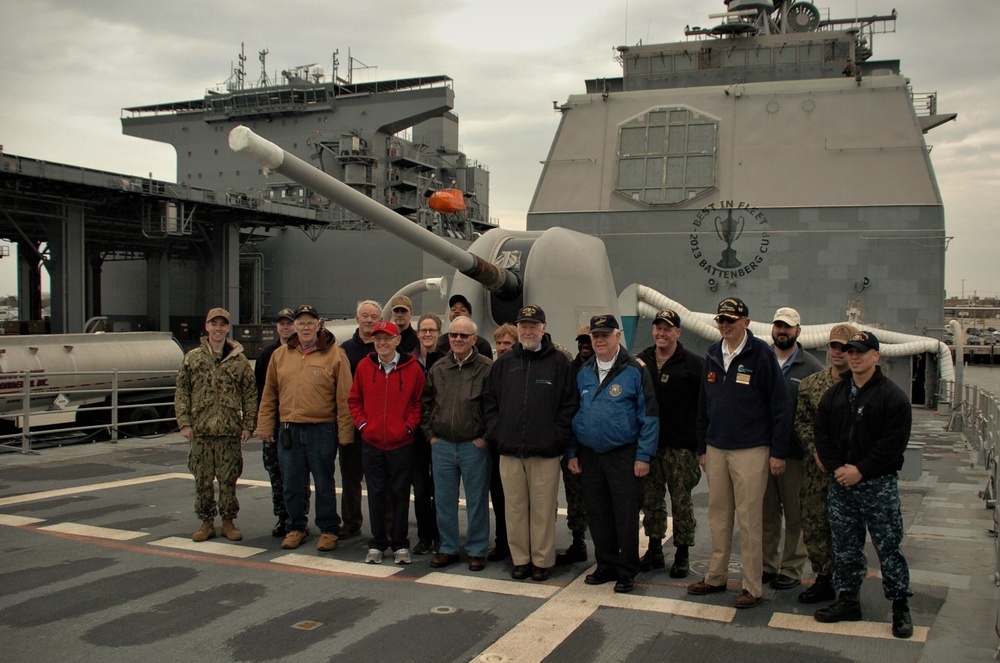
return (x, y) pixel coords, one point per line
(768, 157)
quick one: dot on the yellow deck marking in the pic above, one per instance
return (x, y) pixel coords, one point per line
(48, 494)
(95, 532)
(18, 521)
(806, 623)
(318, 563)
(211, 547)
(476, 584)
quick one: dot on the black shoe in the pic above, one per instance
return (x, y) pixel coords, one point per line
(349, 533)
(577, 552)
(784, 582)
(902, 623)
(821, 590)
(538, 574)
(680, 567)
(423, 547)
(767, 577)
(279, 530)
(599, 577)
(520, 571)
(844, 609)
(653, 559)
(624, 585)
(499, 553)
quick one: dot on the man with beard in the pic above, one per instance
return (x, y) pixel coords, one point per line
(816, 482)
(783, 567)
(676, 374)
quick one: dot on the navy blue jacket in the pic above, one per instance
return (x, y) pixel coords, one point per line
(747, 406)
(871, 433)
(619, 411)
(677, 385)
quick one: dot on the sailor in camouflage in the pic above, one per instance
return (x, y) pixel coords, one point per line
(216, 407)
(816, 482)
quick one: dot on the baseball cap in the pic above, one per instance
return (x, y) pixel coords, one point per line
(788, 315)
(732, 308)
(386, 327)
(459, 298)
(285, 314)
(863, 341)
(669, 317)
(217, 312)
(531, 313)
(306, 309)
(842, 333)
(603, 324)
(400, 301)
(584, 333)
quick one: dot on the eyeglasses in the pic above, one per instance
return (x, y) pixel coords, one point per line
(459, 335)
(382, 338)
(430, 330)
(719, 319)
(307, 325)
(837, 346)
(400, 309)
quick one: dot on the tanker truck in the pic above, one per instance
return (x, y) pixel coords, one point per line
(565, 272)
(85, 375)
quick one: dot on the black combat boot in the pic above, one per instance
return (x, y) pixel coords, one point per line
(653, 559)
(902, 623)
(679, 569)
(847, 608)
(821, 590)
(577, 552)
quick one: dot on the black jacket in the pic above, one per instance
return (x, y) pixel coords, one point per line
(529, 402)
(871, 434)
(260, 367)
(356, 350)
(677, 385)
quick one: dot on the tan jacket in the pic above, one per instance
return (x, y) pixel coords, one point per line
(307, 388)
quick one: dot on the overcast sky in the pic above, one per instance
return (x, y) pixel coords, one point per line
(68, 67)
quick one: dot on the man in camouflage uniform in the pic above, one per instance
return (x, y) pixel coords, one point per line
(676, 374)
(816, 482)
(862, 427)
(216, 406)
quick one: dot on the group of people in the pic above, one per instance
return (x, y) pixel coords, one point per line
(793, 452)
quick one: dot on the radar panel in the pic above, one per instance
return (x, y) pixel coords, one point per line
(666, 155)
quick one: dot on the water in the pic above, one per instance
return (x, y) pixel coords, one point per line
(983, 376)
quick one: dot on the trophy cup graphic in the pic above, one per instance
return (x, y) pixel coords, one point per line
(729, 230)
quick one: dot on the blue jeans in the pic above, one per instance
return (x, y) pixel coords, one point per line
(313, 451)
(462, 461)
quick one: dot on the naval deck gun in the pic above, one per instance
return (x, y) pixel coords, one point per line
(565, 272)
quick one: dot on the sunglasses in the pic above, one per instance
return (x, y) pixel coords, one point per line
(400, 309)
(719, 319)
(459, 335)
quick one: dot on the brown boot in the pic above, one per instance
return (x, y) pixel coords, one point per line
(205, 532)
(230, 531)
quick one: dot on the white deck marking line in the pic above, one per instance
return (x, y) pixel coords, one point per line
(805, 623)
(212, 548)
(383, 570)
(18, 521)
(253, 482)
(538, 634)
(95, 532)
(939, 579)
(513, 588)
(48, 494)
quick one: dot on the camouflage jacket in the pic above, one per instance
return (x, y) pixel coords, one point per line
(811, 390)
(216, 397)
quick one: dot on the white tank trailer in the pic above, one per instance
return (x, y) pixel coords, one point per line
(67, 372)
(565, 272)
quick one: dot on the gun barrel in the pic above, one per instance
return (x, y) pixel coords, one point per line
(272, 157)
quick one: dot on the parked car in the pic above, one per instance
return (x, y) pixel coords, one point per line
(973, 340)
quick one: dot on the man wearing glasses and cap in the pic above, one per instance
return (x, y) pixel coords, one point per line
(676, 374)
(284, 326)
(862, 428)
(744, 424)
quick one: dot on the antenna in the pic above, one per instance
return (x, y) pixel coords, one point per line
(264, 81)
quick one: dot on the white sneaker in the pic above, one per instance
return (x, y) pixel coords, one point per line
(374, 556)
(403, 556)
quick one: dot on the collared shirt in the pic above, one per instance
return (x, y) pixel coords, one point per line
(727, 356)
(787, 364)
(391, 365)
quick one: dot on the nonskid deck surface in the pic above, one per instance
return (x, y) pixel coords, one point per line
(98, 562)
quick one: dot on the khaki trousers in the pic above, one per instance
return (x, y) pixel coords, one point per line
(781, 499)
(736, 482)
(531, 492)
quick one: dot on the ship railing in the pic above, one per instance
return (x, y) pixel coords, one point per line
(975, 413)
(56, 416)
(924, 103)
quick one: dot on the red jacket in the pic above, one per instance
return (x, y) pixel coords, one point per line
(386, 407)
